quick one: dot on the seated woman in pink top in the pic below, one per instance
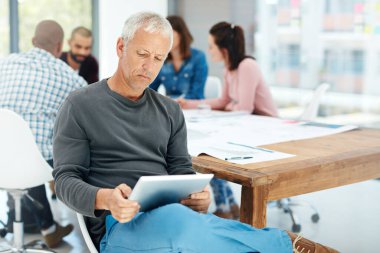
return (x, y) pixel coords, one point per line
(244, 87)
(244, 90)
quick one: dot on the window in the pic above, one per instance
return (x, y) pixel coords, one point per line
(343, 6)
(4, 28)
(357, 62)
(288, 56)
(68, 13)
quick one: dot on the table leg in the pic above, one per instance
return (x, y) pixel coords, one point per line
(253, 209)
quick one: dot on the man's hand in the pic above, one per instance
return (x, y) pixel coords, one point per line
(199, 201)
(115, 200)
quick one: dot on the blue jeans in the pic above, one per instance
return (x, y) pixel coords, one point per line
(224, 198)
(176, 228)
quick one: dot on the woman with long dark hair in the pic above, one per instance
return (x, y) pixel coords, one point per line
(244, 90)
(185, 70)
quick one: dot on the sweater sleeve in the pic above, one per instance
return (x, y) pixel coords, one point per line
(248, 79)
(71, 162)
(177, 157)
(221, 102)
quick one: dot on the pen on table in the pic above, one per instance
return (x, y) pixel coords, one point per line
(238, 158)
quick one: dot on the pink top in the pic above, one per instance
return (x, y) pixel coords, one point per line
(244, 90)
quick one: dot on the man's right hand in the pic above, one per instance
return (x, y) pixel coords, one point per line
(116, 200)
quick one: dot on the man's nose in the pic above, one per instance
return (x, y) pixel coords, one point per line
(148, 64)
(83, 51)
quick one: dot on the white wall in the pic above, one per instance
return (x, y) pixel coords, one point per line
(112, 15)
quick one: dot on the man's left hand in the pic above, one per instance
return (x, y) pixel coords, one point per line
(198, 201)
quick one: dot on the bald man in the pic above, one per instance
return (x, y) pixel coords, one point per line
(79, 57)
(34, 84)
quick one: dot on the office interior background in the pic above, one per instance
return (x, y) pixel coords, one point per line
(298, 44)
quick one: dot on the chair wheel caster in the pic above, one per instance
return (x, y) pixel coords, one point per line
(3, 232)
(296, 228)
(315, 218)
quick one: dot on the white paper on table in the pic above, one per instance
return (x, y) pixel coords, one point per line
(210, 130)
(255, 130)
(239, 154)
(198, 115)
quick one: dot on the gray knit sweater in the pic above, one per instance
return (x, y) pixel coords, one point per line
(102, 139)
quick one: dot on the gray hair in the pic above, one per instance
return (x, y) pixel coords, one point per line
(152, 23)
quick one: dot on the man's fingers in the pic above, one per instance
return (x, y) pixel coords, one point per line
(200, 195)
(127, 213)
(125, 190)
(198, 201)
(195, 202)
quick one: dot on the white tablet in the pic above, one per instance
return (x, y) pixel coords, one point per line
(155, 191)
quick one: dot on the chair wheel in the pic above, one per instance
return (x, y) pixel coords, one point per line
(296, 228)
(3, 232)
(315, 218)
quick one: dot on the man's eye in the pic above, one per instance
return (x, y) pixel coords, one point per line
(141, 54)
(158, 58)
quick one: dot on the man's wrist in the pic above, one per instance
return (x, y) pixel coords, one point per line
(102, 197)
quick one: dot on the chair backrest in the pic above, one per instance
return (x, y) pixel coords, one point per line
(86, 235)
(311, 111)
(213, 87)
(21, 163)
(162, 90)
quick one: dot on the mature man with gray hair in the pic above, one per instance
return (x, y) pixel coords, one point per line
(34, 84)
(111, 133)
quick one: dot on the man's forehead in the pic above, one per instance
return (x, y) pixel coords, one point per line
(151, 41)
(81, 38)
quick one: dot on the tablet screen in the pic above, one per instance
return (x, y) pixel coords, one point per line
(154, 191)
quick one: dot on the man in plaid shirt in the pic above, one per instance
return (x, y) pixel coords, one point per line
(34, 84)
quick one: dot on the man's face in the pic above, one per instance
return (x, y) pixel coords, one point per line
(142, 59)
(80, 47)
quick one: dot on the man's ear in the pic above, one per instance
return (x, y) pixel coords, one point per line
(120, 46)
(59, 48)
(34, 41)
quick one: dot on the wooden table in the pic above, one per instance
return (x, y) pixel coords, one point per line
(320, 163)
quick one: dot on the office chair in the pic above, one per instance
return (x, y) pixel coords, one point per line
(21, 167)
(213, 87)
(86, 235)
(309, 114)
(162, 90)
(311, 111)
(286, 205)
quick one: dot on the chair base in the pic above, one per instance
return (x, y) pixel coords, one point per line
(36, 246)
(286, 204)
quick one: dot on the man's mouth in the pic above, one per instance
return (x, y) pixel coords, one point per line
(145, 77)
